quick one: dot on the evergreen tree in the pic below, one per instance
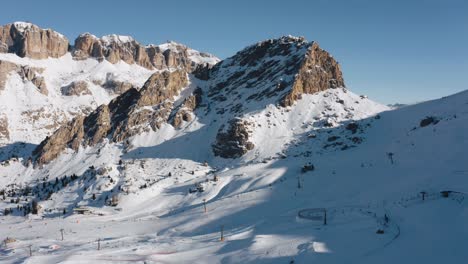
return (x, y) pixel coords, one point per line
(35, 207)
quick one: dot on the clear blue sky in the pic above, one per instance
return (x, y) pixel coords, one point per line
(394, 51)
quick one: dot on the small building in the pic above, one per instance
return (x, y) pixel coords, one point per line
(82, 210)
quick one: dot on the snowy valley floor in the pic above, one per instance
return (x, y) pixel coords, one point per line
(257, 202)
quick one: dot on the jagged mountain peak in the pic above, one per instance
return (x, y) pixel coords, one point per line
(24, 27)
(28, 40)
(115, 48)
(271, 47)
(282, 68)
(277, 71)
(45, 82)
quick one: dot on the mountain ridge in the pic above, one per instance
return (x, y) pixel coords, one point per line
(41, 91)
(282, 69)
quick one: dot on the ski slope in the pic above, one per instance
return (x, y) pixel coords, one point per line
(257, 198)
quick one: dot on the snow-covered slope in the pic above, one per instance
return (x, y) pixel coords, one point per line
(257, 202)
(41, 89)
(242, 165)
(33, 115)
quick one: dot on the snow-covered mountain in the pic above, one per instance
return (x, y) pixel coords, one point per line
(43, 86)
(264, 157)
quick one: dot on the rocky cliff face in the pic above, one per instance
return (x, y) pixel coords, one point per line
(4, 132)
(115, 48)
(232, 140)
(277, 71)
(131, 113)
(76, 87)
(26, 73)
(317, 72)
(5, 68)
(28, 40)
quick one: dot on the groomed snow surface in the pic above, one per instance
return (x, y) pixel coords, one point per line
(257, 198)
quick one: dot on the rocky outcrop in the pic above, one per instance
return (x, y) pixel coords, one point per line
(185, 110)
(283, 68)
(233, 141)
(33, 75)
(76, 88)
(28, 40)
(5, 68)
(4, 132)
(117, 87)
(69, 136)
(131, 113)
(319, 71)
(115, 48)
(25, 72)
(161, 86)
(277, 71)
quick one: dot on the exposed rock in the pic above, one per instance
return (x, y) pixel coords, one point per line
(117, 87)
(272, 71)
(131, 113)
(69, 135)
(161, 86)
(430, 120)
(76, 88)
(353, 127)
(180, 117)
(318, 72)
(28, 40)
(32, 74)
(184, 112)
(86, 46)
(307, 167)
(284, 68)
(25, 72)
(157, 92)
(97, 125)
(40, 83)
(233, 141)
(4, 132)
(115, 48)
(202, 71)
(42, 118)
(5, 68)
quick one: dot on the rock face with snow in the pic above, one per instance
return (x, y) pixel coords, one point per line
(76, 88)
(28, 40)
(33, 75)
(112, 48)
(43, 84)
(115, 48)
(5, 68)
(4, 132)
(275, 71)
(318, 72)
(26, 73)
(125, 116)
(233, 141)
(185, 110)
(257, 138)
